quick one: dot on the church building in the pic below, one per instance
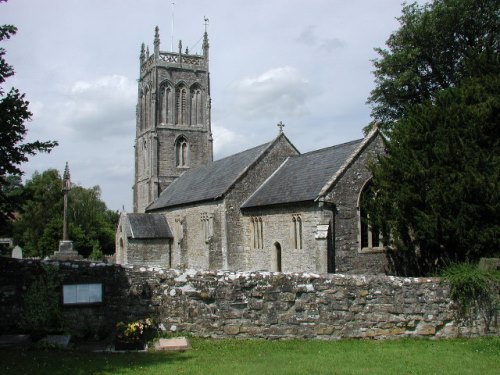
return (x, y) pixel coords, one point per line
(269, 208)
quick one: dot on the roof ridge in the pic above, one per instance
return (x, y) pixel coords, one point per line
(332, 147)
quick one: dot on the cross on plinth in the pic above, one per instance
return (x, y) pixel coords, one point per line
(281, 126)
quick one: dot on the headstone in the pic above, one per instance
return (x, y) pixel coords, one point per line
(17, 253)
(178, 344)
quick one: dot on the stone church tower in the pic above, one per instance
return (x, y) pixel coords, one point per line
(173, 131)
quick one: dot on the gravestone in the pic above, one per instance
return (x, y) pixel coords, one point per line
(17, 253)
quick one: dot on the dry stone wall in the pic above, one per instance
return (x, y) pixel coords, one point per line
(251, 304)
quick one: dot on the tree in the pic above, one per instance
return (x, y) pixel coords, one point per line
(436, 100)
(436, 47)
(14, 113)
(438, 188)
(38, 229)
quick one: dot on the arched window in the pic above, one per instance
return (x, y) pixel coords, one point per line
(182, 152)
(196, 106)
(181, 105)
(369, 235)
(297, 231)
(276, 258)
(143, 110)
(257, 233)
(165, 104)
(147, 109)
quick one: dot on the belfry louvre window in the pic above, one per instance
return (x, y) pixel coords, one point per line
(370, 237)
(257, 233)
(181, 106)
(297, 231)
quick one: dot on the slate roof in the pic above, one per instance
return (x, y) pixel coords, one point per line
(148, 226)
(301, 178)
(208, 182)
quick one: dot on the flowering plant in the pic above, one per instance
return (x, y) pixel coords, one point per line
(133, 331)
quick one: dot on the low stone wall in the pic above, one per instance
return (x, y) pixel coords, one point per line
(250, 304)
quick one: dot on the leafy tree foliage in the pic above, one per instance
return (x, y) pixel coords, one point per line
(435, 48)
(438, 189)
(38, 229)
(437, 101)
(14, 113)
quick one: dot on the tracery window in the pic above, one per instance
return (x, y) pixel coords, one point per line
(182, 152)
(257, 232)
(207, 226)
(297, 231)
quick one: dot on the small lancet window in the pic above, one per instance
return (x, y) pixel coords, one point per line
(297, 231)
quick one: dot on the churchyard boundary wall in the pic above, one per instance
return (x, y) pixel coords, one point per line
(248, 304)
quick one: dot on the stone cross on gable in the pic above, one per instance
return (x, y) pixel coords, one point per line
(281, 126)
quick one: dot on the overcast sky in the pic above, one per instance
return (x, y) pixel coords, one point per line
(306, 63)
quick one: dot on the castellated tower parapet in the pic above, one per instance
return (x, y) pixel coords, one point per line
(173, 124)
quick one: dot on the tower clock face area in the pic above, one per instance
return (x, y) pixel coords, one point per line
(173, 131)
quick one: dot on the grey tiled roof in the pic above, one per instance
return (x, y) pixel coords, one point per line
(144, 226)
(301, 178)
(208, 182)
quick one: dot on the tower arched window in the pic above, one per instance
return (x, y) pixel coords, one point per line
(182, 152)
(147, 109)
(165, 104)
(369, 235)
(181, 105)
(143, 111)
(196, 107)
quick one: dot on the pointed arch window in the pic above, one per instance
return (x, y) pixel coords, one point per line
(196, 106)
(297, 231)
(370, 236)
(165, 104)
(181, 105)
(143, 110)
(182, 152)
(257, 232)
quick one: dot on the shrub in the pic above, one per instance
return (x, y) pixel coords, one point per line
(474, 291)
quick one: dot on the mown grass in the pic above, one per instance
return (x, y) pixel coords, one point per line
(473, 356)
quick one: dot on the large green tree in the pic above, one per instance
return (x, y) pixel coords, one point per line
(437, 99)
(14, 150)
(38, 228)
(438, 188)
(436, 46)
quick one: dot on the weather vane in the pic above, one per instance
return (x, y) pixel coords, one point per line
(206, 23)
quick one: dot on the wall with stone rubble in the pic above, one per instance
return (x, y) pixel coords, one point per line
(250, 304)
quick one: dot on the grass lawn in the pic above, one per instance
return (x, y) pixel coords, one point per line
(474, 356)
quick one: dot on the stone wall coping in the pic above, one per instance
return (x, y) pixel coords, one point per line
(184, 275)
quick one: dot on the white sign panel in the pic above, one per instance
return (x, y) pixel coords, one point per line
(82, 293)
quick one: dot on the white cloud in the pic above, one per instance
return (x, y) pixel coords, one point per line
(309, 37)
(226, 141)
(100, 108)
(274, 93)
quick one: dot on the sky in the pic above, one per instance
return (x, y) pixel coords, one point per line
(305, 63)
